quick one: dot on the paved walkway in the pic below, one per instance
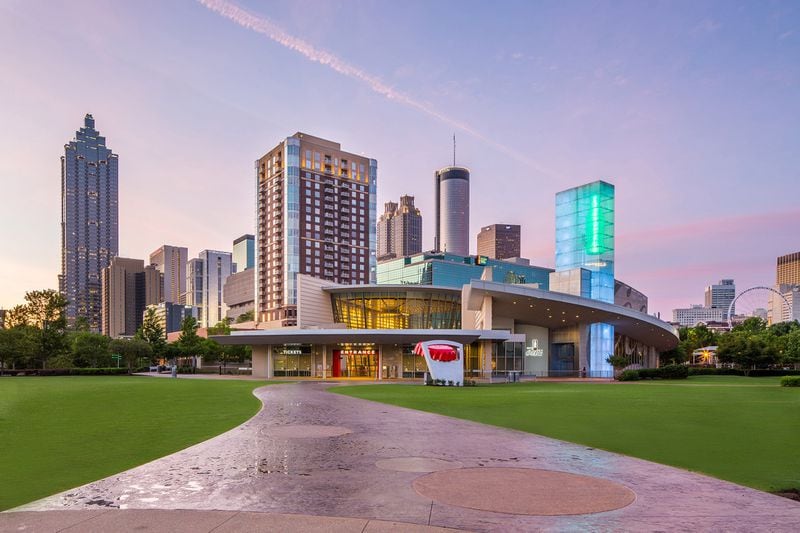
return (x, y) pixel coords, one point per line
(261, 467)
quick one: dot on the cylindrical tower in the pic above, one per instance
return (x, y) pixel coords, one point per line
(452, 210)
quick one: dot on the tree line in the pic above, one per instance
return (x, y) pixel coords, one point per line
(36, 336)
(749, 345)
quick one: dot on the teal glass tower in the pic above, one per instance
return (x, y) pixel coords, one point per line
(585, 239)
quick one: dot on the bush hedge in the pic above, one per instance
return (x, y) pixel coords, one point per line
(67, 372)
(757, 373)
(664, 372)
(790, 381)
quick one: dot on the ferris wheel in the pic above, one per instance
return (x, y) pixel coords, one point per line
(750, 302)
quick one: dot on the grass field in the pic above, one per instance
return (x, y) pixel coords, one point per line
(745, 430)
(60, 432)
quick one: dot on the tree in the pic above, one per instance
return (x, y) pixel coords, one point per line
(17, 345)
(133, 351)
(745, 350)
(223, 327)
(791, 352)
(189, 342)
(90, 349)
(43, 310)
(248, 316)
(152, 333)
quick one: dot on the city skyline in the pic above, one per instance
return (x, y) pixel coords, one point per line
(710, 119)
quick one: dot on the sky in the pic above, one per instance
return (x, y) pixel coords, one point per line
(691, 109)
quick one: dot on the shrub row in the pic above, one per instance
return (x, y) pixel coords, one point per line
(66, 372)
(757, 373)
(665, 372)
(790, 381)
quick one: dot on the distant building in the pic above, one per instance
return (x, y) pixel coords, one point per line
(451, 270)
(499, 241)
(171, 262)
(205, 278)
(239, 293)
(787, 283)
(171, 315)
(452, 210)
(316, 212)
(720, 296)
(697, 314)
(244, 252)
(788, 270)
(399, 230)
(89, 222)
(127, 288)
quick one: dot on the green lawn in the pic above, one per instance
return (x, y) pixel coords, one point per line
(746, 430)
(60, 432)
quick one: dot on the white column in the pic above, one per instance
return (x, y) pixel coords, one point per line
(270, 365)
(380, 362)
(324, 360)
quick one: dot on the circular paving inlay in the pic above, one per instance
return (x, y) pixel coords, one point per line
(417, 464)
(525, 491)
(301, 431)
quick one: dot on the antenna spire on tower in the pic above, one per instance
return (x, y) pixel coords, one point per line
(454, 149)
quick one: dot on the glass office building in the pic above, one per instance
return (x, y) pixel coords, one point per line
(585, 240)
(450, 270)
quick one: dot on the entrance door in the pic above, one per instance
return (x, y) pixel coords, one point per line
(562, 359)
(362, 365)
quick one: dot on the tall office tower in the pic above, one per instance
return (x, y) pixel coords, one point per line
(171, 262)
(89, 221)
(720, 296)
(452, 210)
(127, 288)
(499, 241)
(205, 278)
(399, 230)
(316, 216)
(788, 271)
(244, 252)
(585, 246)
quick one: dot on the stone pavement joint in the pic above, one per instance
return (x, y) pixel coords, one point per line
(184, 521)
(256, 468)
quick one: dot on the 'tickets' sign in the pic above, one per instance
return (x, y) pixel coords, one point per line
(445, 359)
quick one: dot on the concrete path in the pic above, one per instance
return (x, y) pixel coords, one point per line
(262, 466)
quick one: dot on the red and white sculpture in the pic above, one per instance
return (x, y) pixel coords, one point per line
(445, 360)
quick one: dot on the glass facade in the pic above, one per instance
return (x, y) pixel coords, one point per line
(397, 309)
(507, 357)
(373, 219)
(291, 238)
(449, 270)
(585, 239)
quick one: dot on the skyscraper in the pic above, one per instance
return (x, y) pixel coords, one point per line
(452, 210)
(316, 216)
(499, 241)
(788, 269)
(244, 251)
(127, 288)
(171, 262)
(89, 221)
(720, 296)
(205, 279)
(585, 251)
(399, 230)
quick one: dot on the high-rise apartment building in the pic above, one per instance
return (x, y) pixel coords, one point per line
(205, 279)
(244, 252)
(171, 262)
(89, 222)
(585, 252)
(720, 296)
(452, 210)
(316, 215)
(499, 241)
(127, 288)
(399, 230)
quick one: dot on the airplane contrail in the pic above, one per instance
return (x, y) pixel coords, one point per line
(271, 30)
